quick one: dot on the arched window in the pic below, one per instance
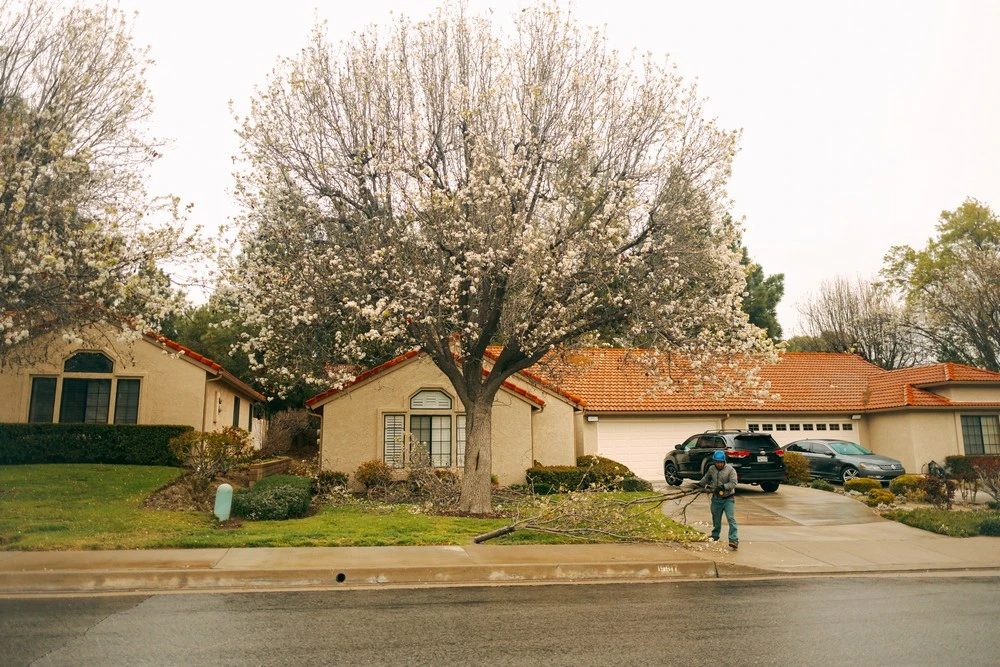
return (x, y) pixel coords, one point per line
(88, 362)
(430, 399)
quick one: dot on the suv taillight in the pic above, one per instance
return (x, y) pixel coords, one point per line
(738, 453)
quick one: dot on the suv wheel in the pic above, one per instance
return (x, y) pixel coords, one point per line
(848, 473)
(670, 474)
(770, 487)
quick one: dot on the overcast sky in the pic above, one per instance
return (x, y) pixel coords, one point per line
(861, 121)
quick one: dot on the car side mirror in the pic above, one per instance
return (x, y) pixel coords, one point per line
(830, 454)
(678, 446)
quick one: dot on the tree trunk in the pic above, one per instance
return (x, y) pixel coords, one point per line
(476, 488)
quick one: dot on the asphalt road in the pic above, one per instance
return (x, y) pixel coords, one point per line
(885, 621)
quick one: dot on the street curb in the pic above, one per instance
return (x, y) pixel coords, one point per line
(119, 581)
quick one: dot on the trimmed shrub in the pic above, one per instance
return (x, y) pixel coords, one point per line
(134, 444)
(878, 497)
(555, 479)
(272, 502)
(905, 485)
(373, 474)
(326, 480)
(600, 471)
(862, 484)
(990, 527)
(796, 469)
(993, 504)
(633, 484)
(822, 485)
(272, 481)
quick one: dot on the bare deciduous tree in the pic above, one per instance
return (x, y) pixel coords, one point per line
(862, 317)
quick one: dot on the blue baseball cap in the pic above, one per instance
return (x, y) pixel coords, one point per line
(719, 455)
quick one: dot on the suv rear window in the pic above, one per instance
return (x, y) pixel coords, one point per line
(756, 442)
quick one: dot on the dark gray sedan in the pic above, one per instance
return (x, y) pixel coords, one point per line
(843, 460)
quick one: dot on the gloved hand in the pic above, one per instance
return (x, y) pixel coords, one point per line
(720, 491)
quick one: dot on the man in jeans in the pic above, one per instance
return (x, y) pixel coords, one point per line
(720, 481)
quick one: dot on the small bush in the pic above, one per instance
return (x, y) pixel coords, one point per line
(633, 484)
(862, 484)
(326, 481)
(374, 474)
(284, 480)
(603, 472)
(822, 485)
(878, 497)
(555, 479)
(993, 504)
(905, 485)
(213, 453)
(940, 491)
(990, 527)
(272, 502)
(796, 469)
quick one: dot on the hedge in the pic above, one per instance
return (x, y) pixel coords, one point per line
(88, 443)
(274, 498)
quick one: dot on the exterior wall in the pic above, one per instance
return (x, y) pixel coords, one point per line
(553, 427)
(915, 437)
(219, 406)
(968, 393)
(353, 422)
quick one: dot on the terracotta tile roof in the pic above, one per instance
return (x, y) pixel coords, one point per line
(162, 340)
(400, 359)
(609, 380)
(493, 351)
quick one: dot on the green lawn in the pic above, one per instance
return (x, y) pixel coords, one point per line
(945, 522)
(78, 506)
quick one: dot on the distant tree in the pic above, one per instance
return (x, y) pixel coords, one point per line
(81, 242)
(810, 344)
(763, 295)
(440, 186)
(953, 285)
(861, 317)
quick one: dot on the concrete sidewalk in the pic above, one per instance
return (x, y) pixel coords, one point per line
(797, 531)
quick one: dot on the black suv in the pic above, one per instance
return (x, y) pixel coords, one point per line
(756, 457)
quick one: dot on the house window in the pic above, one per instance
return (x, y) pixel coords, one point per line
(434, 432)
(820, 427)
(236, 411)
(781, 427)
(793, 427)
(43, 400)
(807, 427)
(85, 400)
(767, 427)
(460, 441)
(127, 402)
(834, 427)
(753, 427)
(847, 427)
(981, 434)
(88, 362)
(430, 399)
(392, 440)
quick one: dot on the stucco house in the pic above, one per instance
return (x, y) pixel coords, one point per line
(607, 406)
(152, 380)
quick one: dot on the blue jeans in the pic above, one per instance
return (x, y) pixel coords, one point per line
(727, 505)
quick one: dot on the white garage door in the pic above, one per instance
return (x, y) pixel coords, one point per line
(641, 444)
(785, 432)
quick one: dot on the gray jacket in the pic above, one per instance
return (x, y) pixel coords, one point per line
(715, 477)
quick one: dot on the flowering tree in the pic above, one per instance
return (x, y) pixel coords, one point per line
(443, 186)
(953, 285)
(78, 242)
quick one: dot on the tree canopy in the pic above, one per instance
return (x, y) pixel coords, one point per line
(444, 186)
(80, 240)
(763, 294)
(953, 285)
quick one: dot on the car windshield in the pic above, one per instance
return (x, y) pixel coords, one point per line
(756, 441)
(849, 449)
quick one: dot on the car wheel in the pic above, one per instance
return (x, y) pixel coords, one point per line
(848, 473)
(670, 474)
(770, 487)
